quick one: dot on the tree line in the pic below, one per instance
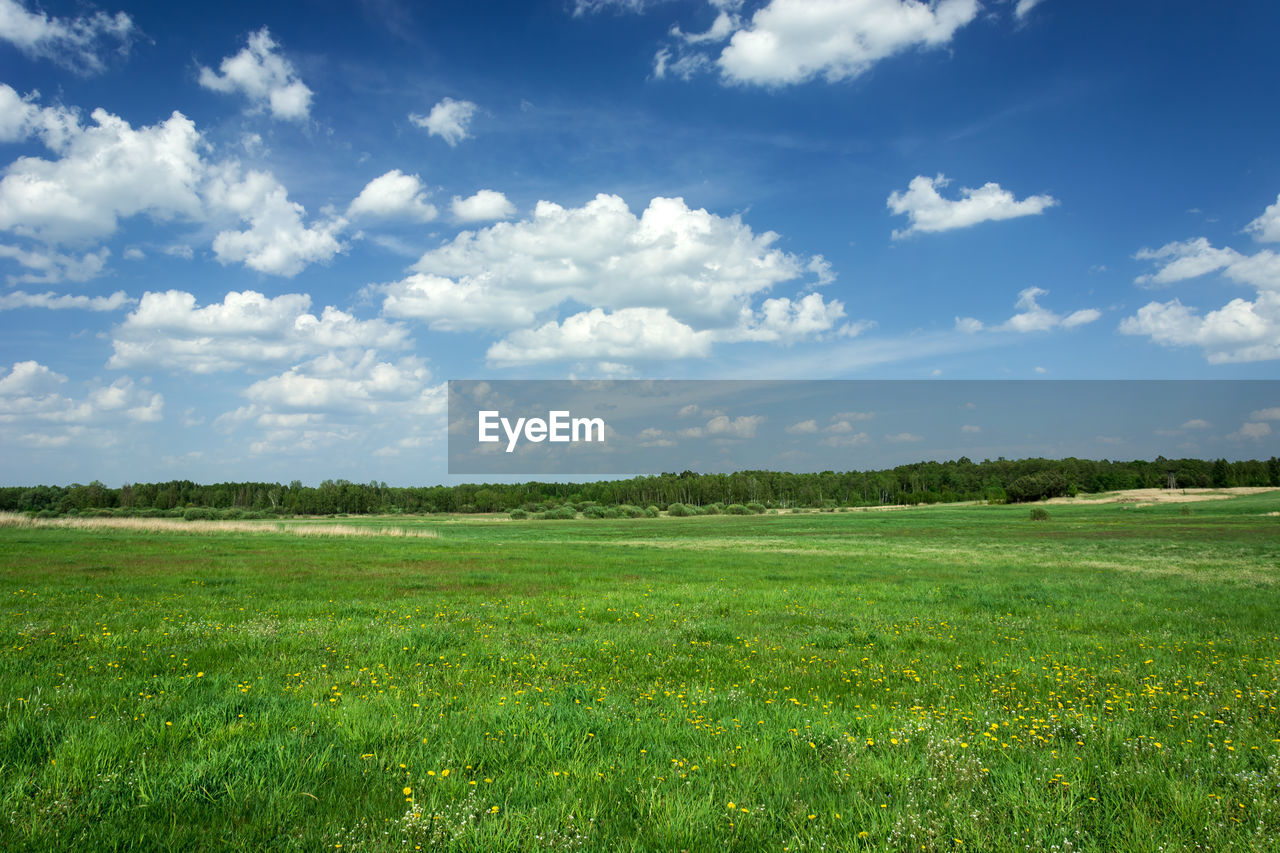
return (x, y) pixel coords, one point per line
(999, 480)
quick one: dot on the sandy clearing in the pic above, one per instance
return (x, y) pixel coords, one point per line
(1148, 497)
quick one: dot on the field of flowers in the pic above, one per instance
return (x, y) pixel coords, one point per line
(946, 678)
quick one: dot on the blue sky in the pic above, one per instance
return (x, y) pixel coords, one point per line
(256, 244)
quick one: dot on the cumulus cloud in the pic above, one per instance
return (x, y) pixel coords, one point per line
(109, 171)
(76, 43)
(792, 41)
(782, 319)
(846, 440)
(1252, 431)
(628, 333)
(484, 206)
(277, 241)
(1240, 331)
(448, 120)
(245, 330)
(1181, 261)
(701, 268)
(394, 195)
(350, 398)
(332, 383)
(1243, 330)
(48, 267)
(904, 438)
(808, 427)
(265, 77)
(1271, 414)
(105, 172)
(56, 302)
(723, 426)
(1032, 317)
(930, 212)
(1266, 228)
(33, 412)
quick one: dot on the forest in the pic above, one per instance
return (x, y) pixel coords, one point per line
(997, 481)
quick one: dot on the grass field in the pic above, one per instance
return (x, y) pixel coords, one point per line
(947, 678)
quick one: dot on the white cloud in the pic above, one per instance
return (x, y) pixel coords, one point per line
(702, 269)
(350, 399)
(846, 440)
(28, 379)
(48, 267)
(245, 330)
(265, 77)
(930, 212)
(722, 426)
(791, 41)
(448, 120)
(628, 333)
(1198, 423)
(721, 28)
(277, 241)
(484, 206)
(1272, 414)
(1266, 228)
(1243, 330)
(53, 301)
(75, 43)
(969, 325)
(394, 195)
(970, 428)
(1254, 431)
(904, 437)
(1197, 257)
(853, 416)
(1024, 8)
(1240, 331)
(106, 171)
(1185, 260)
(781, 319)
(1032, 317)
(332, 383)
(808, 427)
(34, 414)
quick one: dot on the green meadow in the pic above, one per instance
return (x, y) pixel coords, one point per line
(941, 678)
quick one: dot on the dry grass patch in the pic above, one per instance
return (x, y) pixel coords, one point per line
(177, 525)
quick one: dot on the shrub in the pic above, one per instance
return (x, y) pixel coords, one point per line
(711, 509)
(1033, 487)
(560, 513)
(651, 512)
(519, 514)
(679, 510)
(198, 513)
(736, 509)
(1039, 513)
(757, 508)
(629, 511)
